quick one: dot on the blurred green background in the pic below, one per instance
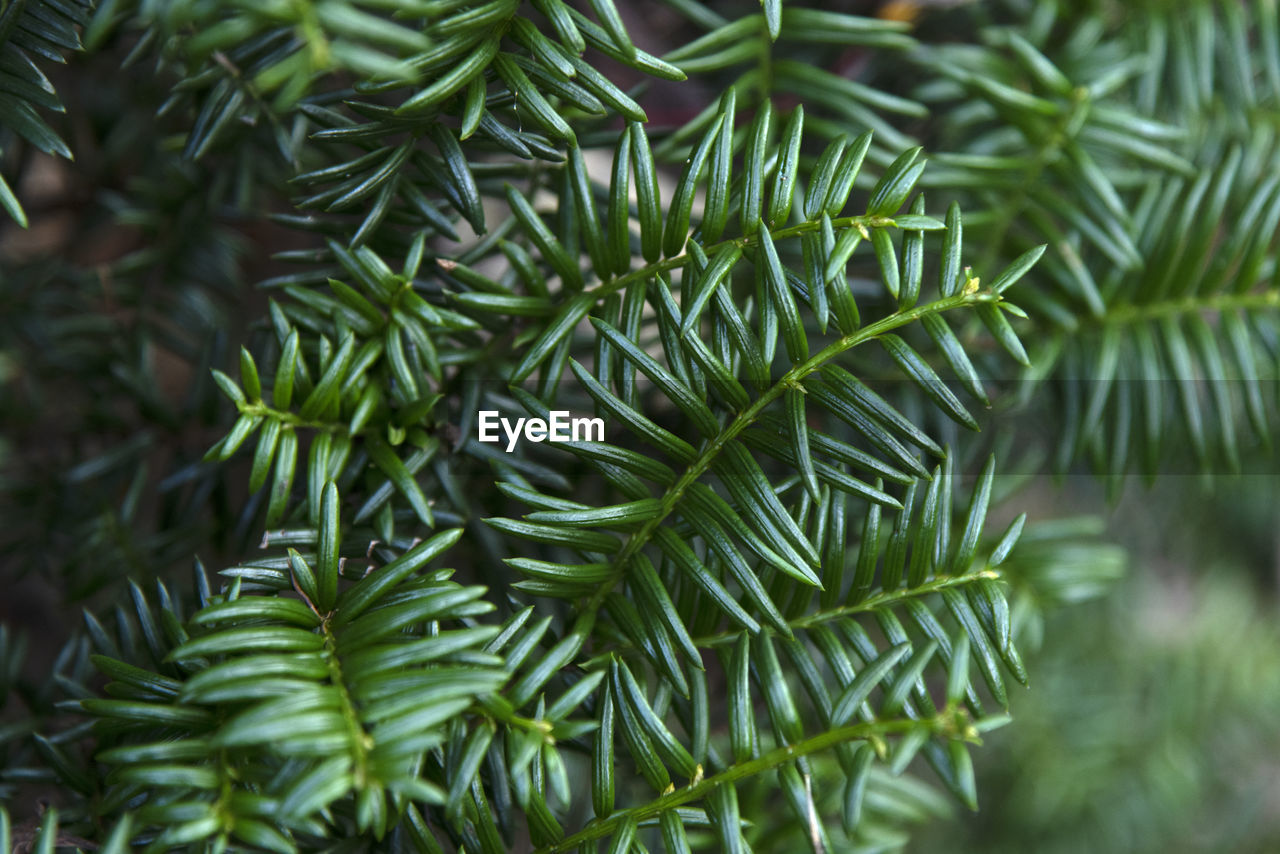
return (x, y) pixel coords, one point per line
(1152, 723)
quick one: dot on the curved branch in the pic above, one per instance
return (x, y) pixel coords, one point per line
(748, 416)
(695, 791)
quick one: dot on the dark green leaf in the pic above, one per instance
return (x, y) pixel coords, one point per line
(896, 184)
(784, 179)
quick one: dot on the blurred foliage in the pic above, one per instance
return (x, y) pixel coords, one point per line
(1149, 730)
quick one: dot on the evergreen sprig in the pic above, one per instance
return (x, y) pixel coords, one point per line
(1149, 179)
(775, 573)
(44, 29)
